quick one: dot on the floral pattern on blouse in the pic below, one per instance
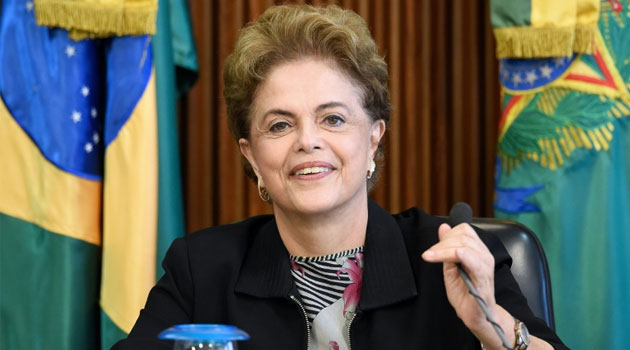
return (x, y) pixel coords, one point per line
(352, 293)
(338, 275)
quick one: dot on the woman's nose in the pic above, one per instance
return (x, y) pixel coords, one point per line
(308, 138)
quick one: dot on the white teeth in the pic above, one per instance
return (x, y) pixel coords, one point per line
(313, 170)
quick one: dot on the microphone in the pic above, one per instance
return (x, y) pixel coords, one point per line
(462, 213)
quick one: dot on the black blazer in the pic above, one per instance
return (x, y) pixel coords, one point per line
(240, 274)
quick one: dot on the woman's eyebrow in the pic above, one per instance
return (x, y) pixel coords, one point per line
(321, 107)
(278, 111)
(331, 104)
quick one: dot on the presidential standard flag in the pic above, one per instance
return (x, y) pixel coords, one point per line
(563, 165)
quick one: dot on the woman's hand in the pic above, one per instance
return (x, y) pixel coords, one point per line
(461, 244)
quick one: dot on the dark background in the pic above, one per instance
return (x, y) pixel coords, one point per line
(440, 146)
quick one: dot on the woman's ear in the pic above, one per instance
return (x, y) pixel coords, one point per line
(378, 130)
(246, 151)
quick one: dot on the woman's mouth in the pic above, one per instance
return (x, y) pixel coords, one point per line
(312, 170)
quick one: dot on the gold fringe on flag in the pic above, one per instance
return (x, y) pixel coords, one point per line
(98, 18)
(583, 40)
(554, 29)
(531, 42)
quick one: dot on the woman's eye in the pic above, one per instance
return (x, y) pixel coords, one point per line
(333, 120)
(279, 127)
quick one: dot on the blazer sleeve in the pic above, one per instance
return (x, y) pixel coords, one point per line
(509, 295)
(169, 303)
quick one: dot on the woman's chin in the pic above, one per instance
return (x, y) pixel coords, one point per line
(306, 204)
(315, 206)
(316, 203)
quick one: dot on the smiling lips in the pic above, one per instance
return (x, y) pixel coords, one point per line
(312, 170)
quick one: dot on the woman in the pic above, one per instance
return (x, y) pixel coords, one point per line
(308, 103)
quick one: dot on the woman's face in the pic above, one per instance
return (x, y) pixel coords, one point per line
(311, 142)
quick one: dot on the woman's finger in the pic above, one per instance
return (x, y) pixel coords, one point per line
(443, 231)
(462, 236)
(452, 254)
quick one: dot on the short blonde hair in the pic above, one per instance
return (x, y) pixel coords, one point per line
(292, 32)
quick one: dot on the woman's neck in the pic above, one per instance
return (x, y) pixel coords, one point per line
(324, 233)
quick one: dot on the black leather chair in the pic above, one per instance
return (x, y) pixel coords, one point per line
(529, 265)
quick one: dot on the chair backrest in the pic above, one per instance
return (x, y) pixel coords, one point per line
(529, 264)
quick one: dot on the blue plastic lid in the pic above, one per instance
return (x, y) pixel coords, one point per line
(215, 332)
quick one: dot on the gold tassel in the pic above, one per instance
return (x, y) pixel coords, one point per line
(569, 139)
(576, 136)
(556, 152)
(584, 36)
(527, 42)
(623, 108)
(564, 147)
(85, 20)
(594, 140)
(585, 139)
(600, 138)
(606, 133)
(550, 155)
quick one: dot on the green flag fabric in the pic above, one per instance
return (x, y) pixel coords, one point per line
(175, 61)
(563, 169)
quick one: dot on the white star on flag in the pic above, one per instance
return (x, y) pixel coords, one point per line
(95, 138)
(85, 91)
(76, 116)
(88, 147)
(516, 78)
(70, 51)
(29, 6)
(545, 71)
(93, 112)
(559, 61)
(531, 77)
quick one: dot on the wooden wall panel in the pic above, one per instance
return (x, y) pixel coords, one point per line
(440, 146)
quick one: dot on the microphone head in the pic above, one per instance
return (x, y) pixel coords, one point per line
(460, 213)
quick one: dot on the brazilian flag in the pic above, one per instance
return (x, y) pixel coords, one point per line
(87, 159)
(563, 165)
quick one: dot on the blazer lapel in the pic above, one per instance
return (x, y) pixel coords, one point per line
(266, 271)
(387, 274)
